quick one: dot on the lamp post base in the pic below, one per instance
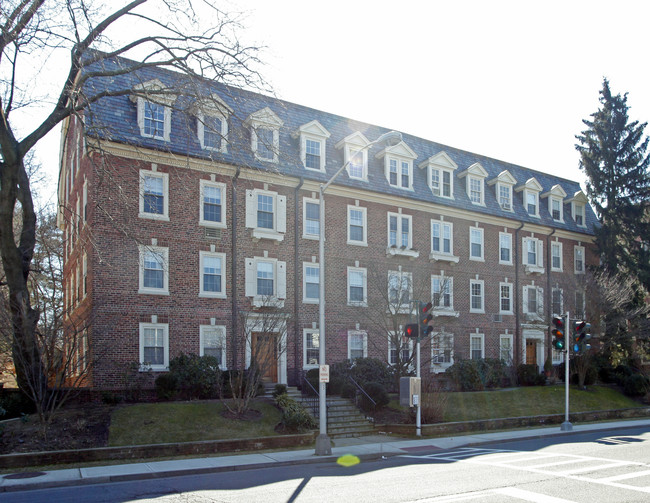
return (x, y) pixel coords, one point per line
(323, 445)
(566, 426)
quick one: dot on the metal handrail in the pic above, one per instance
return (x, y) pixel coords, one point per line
(359, 388)
(313, 401)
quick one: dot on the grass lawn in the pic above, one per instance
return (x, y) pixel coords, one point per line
(531, 401)
(171, 422)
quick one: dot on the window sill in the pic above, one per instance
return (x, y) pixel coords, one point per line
(357, 243)
(212, 225)
(443, 257)
(441, 366)
(146, 291)
(533, 269)
(153, 368)
(267, 301)
(443, 311)
(313, 237)
(357, 304)
(310, 301)
(212, 295)
(154, 216)
(258, 234)
(404, 252)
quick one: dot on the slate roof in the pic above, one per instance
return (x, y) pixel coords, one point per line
(115, 118)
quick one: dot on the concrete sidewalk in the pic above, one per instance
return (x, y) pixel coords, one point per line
(366, 448)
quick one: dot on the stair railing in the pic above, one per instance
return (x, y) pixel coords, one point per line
(311, 397)
(359, 391)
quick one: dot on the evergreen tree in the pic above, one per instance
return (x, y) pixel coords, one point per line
(613, 156)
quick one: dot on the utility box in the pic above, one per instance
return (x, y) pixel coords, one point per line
(409, 391)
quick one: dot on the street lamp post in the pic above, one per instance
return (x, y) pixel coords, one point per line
(323, 445)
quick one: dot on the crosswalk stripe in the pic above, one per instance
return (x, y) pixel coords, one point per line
(530, 496)
(625, 476)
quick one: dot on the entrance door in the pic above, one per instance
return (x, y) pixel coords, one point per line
(265, 353)
(531, 351)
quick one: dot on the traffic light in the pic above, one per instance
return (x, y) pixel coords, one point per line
(425, 316)
(581, 334)
(558, 333)
(411, 330)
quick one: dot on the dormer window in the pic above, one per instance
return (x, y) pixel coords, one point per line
(475, 175)
(531, 190)
(579, 214)
(212, 123)
(504, 183)
(265, 134)
(440, 174)
(154, 102)
(355, 155)
(578, 205)
(398, 165)
(312, 145)
(556, 202)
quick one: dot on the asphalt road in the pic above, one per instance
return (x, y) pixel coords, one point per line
(606, 466)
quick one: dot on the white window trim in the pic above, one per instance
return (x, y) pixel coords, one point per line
(165, 365)
(482, 338)
(505, 262)
(202, 292)
(482, 283)
(365, 342)
(502, 284)
(305, 333)
(303, 150)
(535, 194)
(482, 232)
(279, 283)
(223, 134)
(167, 118)
(305, 201)
(84, 278)
(362, 270)
(275, 148)
(164, 252)
(364, 211)
(210, 223)
(440, 309)
(364, 161)
(554, 289)
(399, 160)
(441, 367)
(507, 186)
(154, 91)
(402, 308)
(165, 179)
(279, 215)
(584, 259)
(560, 201)
(398, 250)
(391, 337)
(441, 172)
(574, 212)
(481, 181)
(557, 244)
(510, 338)
(222, 336)
(539, 295)
(441, 255)
(305, 299)
(538, 267)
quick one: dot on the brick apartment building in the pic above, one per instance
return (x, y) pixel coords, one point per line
(182, 217)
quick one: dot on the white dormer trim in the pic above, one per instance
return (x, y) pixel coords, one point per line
(531, 190)
(504, 182)
(579, 202)
(353, 143)
(402, 157)
(475, 183)
(440, 165)
(556, 195)
(313, 131)
(212, 106)
(265, 119)
(153, 91)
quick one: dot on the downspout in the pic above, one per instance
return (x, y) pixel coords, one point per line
(518, 348)
(296, 275)
(549, 295)
(233, 212)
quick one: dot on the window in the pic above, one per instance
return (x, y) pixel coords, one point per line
(154, 120)
(212, 127)
(213, 209)
(154, 195)
(312, 145)
(399, 291)
(579, 258)
(442, 238)
(442, 350)
(213, 343)
(533, 255)
(154, 346)
(311, 218)
(505, 298)
(154, 270)
(556, 256)
(357, 226)
(556, 209)
(401, 354)
(399, 231)
(84, 209)
(579, 304)
(475, 243)
(476, 296)
(579, 214)
(313, 154)
(266, 214)
(505, 248)
(265, 134)
(505, 197)
(358, 163)
(556, 302)
(442, 292)
(399, 173)
(311, 349)
(532, 203)
(85, 275)
(213, 274)
(153, 110)
(357, 344)
(310, 283)
(357, 286)
(441, 182)
(505, 348)
(266, 281)
(440, 173)
(476, 346)
(475, 190)
(533, 301)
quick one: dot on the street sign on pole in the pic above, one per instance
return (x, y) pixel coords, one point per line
(323, 373)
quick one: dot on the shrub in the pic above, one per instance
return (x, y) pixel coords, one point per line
(294, 416)
(378, 393)
(492, 372)
(367, 370)
(348, 390)
(528, 375)
(280, 389)
(239, 379)
(197, 376)
(166, 386)
(465, 375)
(621, 373)
(636, 385)
(16, 404)
(312, 377)
(110, 398)
(434, 402)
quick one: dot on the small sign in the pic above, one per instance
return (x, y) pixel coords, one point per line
(416, 399)
(323, 373)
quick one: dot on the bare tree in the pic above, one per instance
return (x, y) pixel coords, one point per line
(34, 32)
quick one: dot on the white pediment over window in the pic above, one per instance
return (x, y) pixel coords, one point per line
(475, 170)
(264, 117)
(211, 105)
(439, 160)
(154, 91)
(356, 140)
(579, 197)
(314, 128)
(504, 178)
(401, 150)
(556, 191)
(531, 184)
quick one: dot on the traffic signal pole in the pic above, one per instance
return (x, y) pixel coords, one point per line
(566, 425)
(418, 411)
